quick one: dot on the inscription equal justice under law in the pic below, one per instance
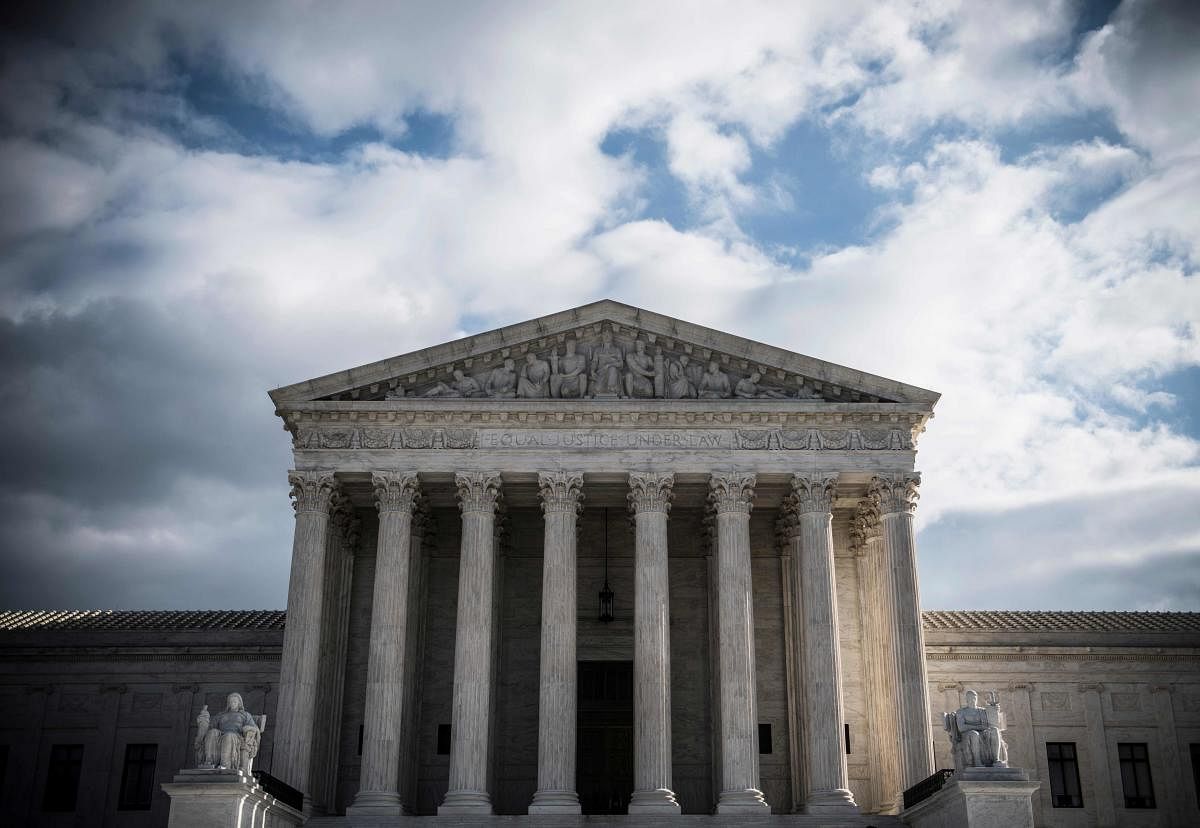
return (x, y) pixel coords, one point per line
(591, 439)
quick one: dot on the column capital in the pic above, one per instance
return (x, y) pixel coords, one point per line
(787, 526)
(895, 493)
(478, 491)
(396, 491)
(864, 525)
(312, 491)
(731, 491)
(561, 491)
(813, 492)
(650, 491)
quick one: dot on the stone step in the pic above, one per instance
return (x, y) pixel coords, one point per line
(613, 821)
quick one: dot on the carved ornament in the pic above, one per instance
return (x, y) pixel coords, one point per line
(895, 493)
(731, 492)
(561, 491)
(478, 491)
(312, 491)
(396, 491)
(814, 493)
(650, 491)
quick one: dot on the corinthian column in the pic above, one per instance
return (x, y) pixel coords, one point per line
(470, 726)
(897, 496)
(561, 496)
(387, 671)
(731, 494)
(312, 495)
(878, 656)
(811, 539)
(650, 499)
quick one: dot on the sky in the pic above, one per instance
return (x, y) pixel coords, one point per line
(201, 201)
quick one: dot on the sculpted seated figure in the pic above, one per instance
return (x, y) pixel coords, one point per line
(679, 384)
(463, 386)
(230, 739)
(502, 382)
(714, 384)
(568, 378)
(534, 381)
(639, 379)
(974, 733)
(607, 362)
(750, 389)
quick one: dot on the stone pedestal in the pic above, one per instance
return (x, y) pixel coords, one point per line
(224, 799)
(978, 798)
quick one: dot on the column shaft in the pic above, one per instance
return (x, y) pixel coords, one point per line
(470, 725)
(387, 670)
(897, 495)
(878, 652)
(828, 789)
(298, 674)
(650, 496)
(556, 794)
(731, 495)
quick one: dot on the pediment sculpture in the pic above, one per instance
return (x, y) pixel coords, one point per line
(229, 740)
(607, 367)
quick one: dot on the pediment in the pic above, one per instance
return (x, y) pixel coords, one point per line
(619, 352)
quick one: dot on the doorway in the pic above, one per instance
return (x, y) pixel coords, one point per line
(605, 736)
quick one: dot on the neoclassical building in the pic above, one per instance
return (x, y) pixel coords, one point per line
(610, 562)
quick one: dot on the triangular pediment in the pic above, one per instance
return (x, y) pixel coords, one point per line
(619, 352)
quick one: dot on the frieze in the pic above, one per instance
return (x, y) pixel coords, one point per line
(777, 439)
(606, 362)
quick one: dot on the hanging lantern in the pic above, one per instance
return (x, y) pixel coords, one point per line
(606, 593)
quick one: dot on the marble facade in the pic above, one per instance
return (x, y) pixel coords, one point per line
(457, 510)
(598, 409)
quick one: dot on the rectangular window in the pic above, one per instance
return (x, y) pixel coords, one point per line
(1064, 775)
(764, 737)
(137, 779)
(846, 728)
(1135, 774)
(443, 745)
(62, 778)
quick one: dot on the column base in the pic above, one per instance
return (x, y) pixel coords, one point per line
(831, 802)
(555, 802)
(747, 801)
(656, 801)
(377, 803)
(466, 802)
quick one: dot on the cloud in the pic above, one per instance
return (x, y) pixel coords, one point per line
(163, 264)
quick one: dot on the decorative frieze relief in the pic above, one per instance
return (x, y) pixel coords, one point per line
(812, 439)
(605, 361)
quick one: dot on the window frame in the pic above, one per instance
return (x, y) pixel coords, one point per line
(1067, 768)
(1133, 768)
(143, 798)
(60, 769)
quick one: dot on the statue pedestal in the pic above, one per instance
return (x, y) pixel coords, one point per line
(204, 798)
(978, 798)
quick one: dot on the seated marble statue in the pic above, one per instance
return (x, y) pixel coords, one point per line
(607, 361)
(679, 385)
(974, 733)
(568, 377)
(714, 384)
(462, 386)
(502, 382)
(534, 381)
(639, 378)
(749, 389)
(229, 740)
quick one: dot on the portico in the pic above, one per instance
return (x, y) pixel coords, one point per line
(459, 530)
